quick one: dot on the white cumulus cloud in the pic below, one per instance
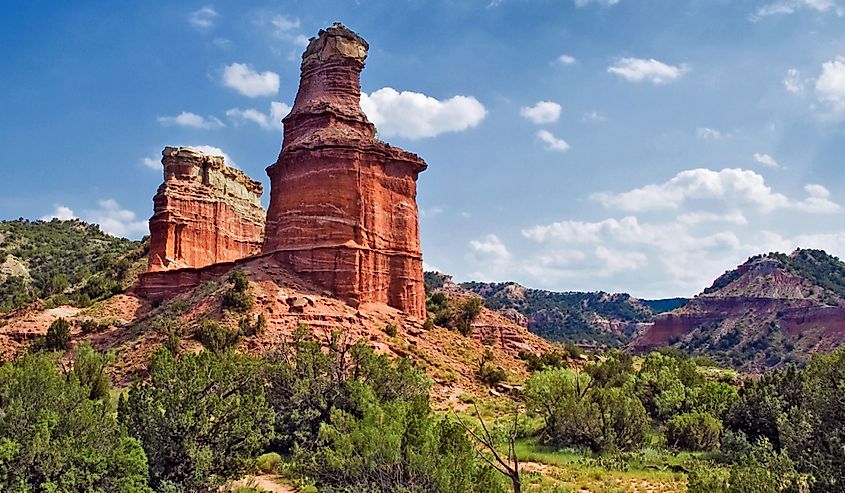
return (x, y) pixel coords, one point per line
(708, 133)
(542, 112)
(582, 3)
(415, 116)
(267, 121)
(566, 59)
(188, 119)
(115, 220)
(552, 143)
(250, 83)
(651, 70)
(830, 86)
(793, 81)
(214, 151)
(203, 18)
(151, 163)
(786, 7)
(60, 212)
(730, 186)
(766, 160)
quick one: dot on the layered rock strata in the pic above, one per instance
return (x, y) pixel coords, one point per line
(205, 212)
(343, 210)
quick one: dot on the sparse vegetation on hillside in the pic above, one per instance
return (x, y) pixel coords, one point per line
(567, 317)
(63, 262)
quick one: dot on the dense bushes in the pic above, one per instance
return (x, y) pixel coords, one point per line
(579, 414)
(800, 413)
(447, 313)
(217, 337)
(201, 418)
(694, 431)
(396, 447)
(55, 437)
(611, 406)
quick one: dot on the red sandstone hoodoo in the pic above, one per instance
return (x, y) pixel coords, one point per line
(343, 211)
(205, 212)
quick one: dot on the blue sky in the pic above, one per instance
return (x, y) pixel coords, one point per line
(623, 145)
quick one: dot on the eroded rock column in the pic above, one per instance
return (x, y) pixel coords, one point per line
(343, 209)
(205, 212)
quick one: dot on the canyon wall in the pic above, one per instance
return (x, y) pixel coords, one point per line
(343, 210)
(205, 212)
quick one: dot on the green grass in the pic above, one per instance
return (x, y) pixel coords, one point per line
(578, 470)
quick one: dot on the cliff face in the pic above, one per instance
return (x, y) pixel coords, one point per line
(770, 310)
(343, 210)
(205, 212)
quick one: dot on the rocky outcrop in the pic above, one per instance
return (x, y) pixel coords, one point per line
(343, 210)
(205, 212)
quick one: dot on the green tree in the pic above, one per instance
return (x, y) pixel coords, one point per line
(559, 396)
(55, 438)
(305, 383)
(201, 418)
(622, 420)
(468, 311)
(89, 368)
(58, 335)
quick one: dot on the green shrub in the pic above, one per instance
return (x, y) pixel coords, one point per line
(760, 470)
(58, 335)
(622, 420)
(491, 375)
(249, 328)
(428, 324)
(487, 372)
(238, 298)
(558, 395)
(91, 326)
(547, 359)
(437, 305)
(216, 337)
(269, 463)
(201, 419)
(55, 438)
(390, 329)
(694, 431)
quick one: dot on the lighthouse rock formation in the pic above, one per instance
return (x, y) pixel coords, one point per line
(343, 209)
(205, 212)
(343, 213)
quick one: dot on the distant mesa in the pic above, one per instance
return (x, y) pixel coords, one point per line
(772, 310)
(343, 212)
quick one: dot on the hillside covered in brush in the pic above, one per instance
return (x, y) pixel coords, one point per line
(63, 262)
(596, 318)
(771, 310)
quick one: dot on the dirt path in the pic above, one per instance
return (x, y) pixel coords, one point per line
(267, 483)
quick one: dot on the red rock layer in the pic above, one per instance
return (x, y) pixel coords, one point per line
(205, 212)
(343, 210)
